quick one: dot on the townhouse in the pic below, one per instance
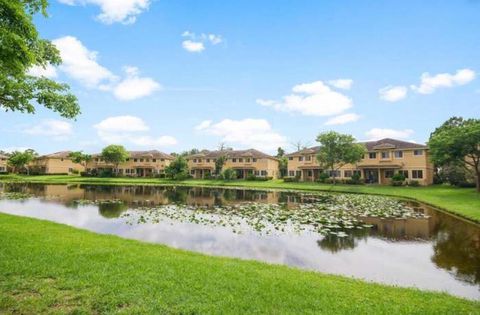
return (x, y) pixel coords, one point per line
(383, 159)
(55, 163)
(3, 163)
(244, 162)
(138, 164)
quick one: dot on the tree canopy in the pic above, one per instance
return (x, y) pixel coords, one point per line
(178, 168)
(79, 157)
(457, 142)
(114, 154)
(19, 160)
(21, 48)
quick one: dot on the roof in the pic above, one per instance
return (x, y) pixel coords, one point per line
(231, 154)
(386, 143)
(153, 154)
(56, 155)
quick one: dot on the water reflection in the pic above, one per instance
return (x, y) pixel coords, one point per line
(440, 252)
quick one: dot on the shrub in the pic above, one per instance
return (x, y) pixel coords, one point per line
(398, 177)
(182, 176)
(105, 173)
(251, 177)
(397, 183)
(85, 174)
(466, 185)
(414, 183)
(75, 171)
(161, 175)
(228, 174)
(291, 179)
(323, 177)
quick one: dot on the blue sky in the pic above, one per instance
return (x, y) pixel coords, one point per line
(174, 75)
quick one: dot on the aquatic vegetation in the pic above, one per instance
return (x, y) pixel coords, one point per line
(326, 214)
(15, 195)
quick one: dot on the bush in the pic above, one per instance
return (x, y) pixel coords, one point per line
(251, 177)
(398, 177)
(161, 175)
(414, 183)
(397, 183)
(228, 174)
(85, 174)
(75, 171)
(105, 173)
(323, 178)
(291, 179)
(467, 185)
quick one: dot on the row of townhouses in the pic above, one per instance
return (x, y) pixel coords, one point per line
(383, 159)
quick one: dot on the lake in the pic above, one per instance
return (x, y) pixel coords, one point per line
(373, 238)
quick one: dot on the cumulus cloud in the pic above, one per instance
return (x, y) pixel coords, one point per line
(393, 93)
(246, 133)
(57, 129)
(311, 99)
(196, 43)
(429, 83)
(379, 133)
(344, 84)
(113, 11)
(134, 86)
(48, 71)
(130, 130)
(342, 119)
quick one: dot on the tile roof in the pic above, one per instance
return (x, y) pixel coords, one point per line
(146, 154)
(231, 154)
(56, 155)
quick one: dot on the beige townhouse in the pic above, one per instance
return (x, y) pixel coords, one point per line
(383, 159)
(55, 163)
(138, 164)
(244, 162)
(3, 163)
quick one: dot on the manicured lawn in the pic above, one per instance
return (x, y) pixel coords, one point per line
(48, 267)
(461, 201)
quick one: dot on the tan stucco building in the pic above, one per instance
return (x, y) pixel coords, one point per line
(384, 158)
(139, 164)
(55, 163)
(3, 163)
(244, 162)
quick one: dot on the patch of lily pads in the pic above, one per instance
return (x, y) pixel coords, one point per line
(326, 214)
(15, 195)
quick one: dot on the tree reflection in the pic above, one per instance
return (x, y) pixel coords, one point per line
(334, 243)
(112, 210)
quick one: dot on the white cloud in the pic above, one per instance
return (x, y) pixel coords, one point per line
(246, 133)
(123, 11)
(344, 84)
(134, 86)
(192, 46)
(429, 83)
(81, 64)
(196, 43)
(48, 71)
(57, 129)
(311, 99)
(393, 93)
(13, 149)
(130, 130)
(342, 119)
(379, 133)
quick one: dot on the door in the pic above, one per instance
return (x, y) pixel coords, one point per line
(371, 176)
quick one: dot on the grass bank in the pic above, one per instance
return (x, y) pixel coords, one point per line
(48, 267)
(464, 202)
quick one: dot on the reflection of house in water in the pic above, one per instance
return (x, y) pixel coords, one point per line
(398, 228)
(131, 195)
(216, 197)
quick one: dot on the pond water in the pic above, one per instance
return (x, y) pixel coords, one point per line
(369, 237)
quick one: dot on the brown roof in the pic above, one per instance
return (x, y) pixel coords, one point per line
(155, 154)
(386, 143)
(56, 155)
(231, 154)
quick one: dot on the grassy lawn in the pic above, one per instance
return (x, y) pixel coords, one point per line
(48, 267)
(464, 202)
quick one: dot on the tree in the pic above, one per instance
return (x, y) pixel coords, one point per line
(338, 149)
(19, 160)
(282, 162)
(219, 163)
(300, 145)
(178, 169)
(21, 48)
(457, 142)
(115, 154)
(80, 157)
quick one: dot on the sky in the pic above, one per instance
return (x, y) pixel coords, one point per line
(175, 75)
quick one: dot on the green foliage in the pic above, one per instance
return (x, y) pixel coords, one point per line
(228, 174)
(20, 49)
(178, 169)
(219, 162)
(457, 142)
(456, 174)
(79, 157)
(20, 160)
(283, 166)
(323, 177)
(291, 179)
(414, 183)
(337, 150)
(397, 179)
(114, 154)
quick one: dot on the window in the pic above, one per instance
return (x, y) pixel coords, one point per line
(309, 173)
(417, 152)
(154, 160)
(162, 160)
(127, 171)
(398, 154)
(298, 173)
(308, 158)
(290, 158)
(257, 173)
(247, 160)
(199, 160)
(385, 155)
(417, 174)
(240, 160)
(404, 173)
(372, 155)
(336, 173)
(300, 158)
(135, 160)
(264, 173)
(208, 160)
(254, 160)
(388, 173)
(141, 160)
(127, 159)
(234, 160)
(192, 172)
(194, 160)
(358, 173)
(348, 174)
(70, 170)
(96, 160)
(291, 173)
(61, 160)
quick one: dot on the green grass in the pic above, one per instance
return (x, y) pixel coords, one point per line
(464, 202)
(52, 268)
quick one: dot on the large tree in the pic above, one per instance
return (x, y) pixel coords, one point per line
(457, 142)
(20, 160)
(178, 169)
(282, 162)
(21, 48)
(80, 157)
(338, 149)
(114, 154)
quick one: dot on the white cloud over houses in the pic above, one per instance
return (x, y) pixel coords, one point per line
(344, 84)
(115, 11)
(130, 130)
(81, 64)
(197, 43)
(311, 99)
(393, 93)
(429, 83)
(342, 119)
(56, 129)
(380, 133)
(245, 133)
(48, 71)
